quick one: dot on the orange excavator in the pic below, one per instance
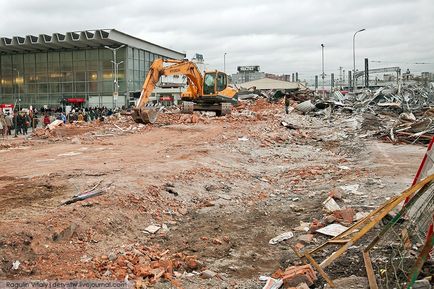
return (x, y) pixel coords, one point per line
(209, 92)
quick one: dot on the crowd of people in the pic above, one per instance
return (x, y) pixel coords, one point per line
(21, 121)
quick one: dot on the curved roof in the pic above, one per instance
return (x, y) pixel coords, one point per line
(79, 40)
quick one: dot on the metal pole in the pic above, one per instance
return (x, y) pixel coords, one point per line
(322, 75)
(224, 62)
(18, 88)
(116, 88)
(354, 58)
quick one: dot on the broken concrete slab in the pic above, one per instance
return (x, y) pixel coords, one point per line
(330, 205)
(332, 230)
(208, 274)
(152, 229)
(281, 237)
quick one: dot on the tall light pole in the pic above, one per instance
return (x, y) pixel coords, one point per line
(116, 69)
(224, 62)
(19, 94)
(322, 74)
(354, 58)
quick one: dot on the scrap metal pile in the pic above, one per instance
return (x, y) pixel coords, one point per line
(404, 114)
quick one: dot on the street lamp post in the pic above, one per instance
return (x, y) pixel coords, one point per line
(116, 69)
(322, 75)
(19, 94)
(354, 58)
(224, 62)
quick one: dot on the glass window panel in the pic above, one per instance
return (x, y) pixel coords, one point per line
(92, 54)
(107, 64)
(92, 75)
(92, 64)
(67, 76)
(107, 75)
(79, 65)
(93, 86)
(67, 87)
(29, 58)
(41, 57)
(79, 55)
(43, 88)
(41, 77)
(80, 76)
(66, 66)
(80, 87)
(55, 87)
(107, 87)
(65, 56)
(53, 56)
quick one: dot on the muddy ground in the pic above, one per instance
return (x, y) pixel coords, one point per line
(222, 187)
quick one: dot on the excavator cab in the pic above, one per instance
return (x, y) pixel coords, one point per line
(214, 82)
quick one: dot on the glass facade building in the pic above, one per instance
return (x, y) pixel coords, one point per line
(46, 70)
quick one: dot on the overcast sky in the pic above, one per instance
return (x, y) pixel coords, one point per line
(280, 36)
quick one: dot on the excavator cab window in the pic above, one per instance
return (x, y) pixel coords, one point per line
(221, 81)
(209, 83)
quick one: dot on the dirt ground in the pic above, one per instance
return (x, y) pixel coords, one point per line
(221, 188)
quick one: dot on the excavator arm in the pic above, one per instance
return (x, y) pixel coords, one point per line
(143, 114)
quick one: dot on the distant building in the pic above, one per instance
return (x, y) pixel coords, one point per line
(429, 76)
(75, 67)
(247, 73)
(269, 83)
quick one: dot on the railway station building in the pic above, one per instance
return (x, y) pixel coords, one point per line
(79, 68)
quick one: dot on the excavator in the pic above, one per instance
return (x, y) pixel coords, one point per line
(209, 92)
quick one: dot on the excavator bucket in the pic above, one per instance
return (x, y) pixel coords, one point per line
(145, 115)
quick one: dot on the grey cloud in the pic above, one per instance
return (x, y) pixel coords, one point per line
(280, 36)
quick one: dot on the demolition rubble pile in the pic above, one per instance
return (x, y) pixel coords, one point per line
(113, 125)
(396, 115)
(147, 265)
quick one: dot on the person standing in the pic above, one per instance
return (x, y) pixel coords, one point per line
(3, 126)
(286, 104)
(18, 122)
(9, 122)
(26, 122)
(47, 120)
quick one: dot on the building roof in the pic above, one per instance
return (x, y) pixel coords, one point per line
(269, 83)
(80, 40)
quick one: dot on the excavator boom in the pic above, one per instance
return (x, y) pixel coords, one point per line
(216, 89)
(141, 113)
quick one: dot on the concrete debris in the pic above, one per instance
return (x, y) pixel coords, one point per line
(150, 266)
(55, 124)
(152, 229)
(304, 227)
(332, 230)
(271, 283)
(281, 237)
(345, 216)
(207, 274)
(296, 275)
(15, 265)
(394, 113)
(305, 107)
(330, 205)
